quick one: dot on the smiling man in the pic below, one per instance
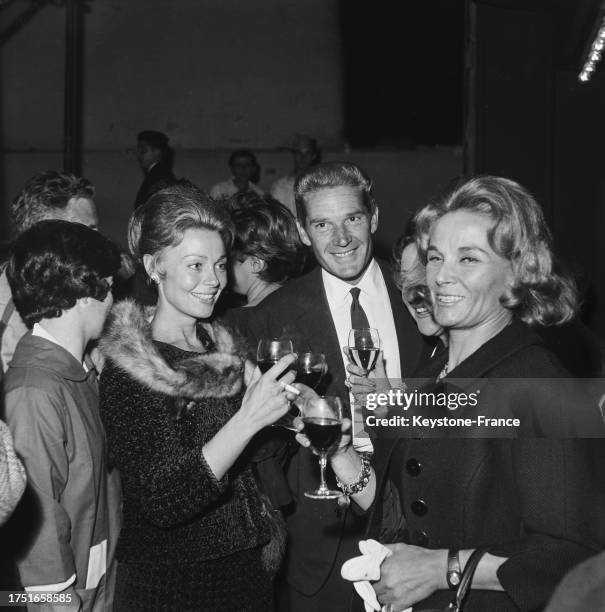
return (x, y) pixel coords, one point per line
(337, 218)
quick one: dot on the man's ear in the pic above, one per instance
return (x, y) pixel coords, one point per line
(374, 221)
(303, 233)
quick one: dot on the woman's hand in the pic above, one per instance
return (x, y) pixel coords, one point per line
(266, 398)
(410, 574)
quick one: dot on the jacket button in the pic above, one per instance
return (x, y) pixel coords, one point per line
(419, 507)
(420, 537)
(413, 466)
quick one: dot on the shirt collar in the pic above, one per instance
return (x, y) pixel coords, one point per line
(338, 290)
(39, 331)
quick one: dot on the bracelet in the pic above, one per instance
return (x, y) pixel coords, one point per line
(360, 483)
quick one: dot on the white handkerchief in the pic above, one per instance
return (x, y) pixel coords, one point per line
(360, 570)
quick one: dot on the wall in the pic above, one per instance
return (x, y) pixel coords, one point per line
(214, 75)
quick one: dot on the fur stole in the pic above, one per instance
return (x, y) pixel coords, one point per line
(127, 342)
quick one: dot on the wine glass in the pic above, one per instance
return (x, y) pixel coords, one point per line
(364, 346)
(322, 418)
(271, 350)
(311, 368)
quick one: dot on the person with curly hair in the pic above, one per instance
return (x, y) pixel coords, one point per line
(267, 250)
(61, 275)
(533, 495)
(47, 195)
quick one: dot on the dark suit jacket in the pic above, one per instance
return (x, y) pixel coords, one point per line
(160, 173)
(319, 539)
(539, 502)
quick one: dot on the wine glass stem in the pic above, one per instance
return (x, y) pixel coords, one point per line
(322, 466)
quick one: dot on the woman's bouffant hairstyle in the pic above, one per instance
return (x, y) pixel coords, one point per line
(55, 263)
(266, 229)
(46, 195)
(540, 295)
(327, 176)
(163, 220)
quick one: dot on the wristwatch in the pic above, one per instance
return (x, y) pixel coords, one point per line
(454, 573)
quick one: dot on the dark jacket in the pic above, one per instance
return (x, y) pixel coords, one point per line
(175, 510)
(320, 539)
(538, 502)
(160, 176)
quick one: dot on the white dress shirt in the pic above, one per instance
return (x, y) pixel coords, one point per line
(374, 300)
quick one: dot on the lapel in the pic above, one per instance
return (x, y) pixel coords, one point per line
(315, 329)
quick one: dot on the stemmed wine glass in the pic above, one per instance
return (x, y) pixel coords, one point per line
(271, 350)
(311, 368)
(364, 346)
(322, 418)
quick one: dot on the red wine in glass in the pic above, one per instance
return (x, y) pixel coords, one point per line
(271, 350)
(322, 433)
(310, 368)
(322, 417)
(266, 364)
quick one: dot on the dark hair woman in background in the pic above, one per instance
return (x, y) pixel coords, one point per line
(197, 533)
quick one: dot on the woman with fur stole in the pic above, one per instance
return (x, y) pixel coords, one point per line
(197, 533)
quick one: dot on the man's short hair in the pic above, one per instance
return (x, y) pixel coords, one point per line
(46, 195)
(54, 263)
(156, 140)
(329, 175)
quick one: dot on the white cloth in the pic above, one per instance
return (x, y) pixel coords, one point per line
(283, 191)
(374, 299)
(360, 570)
(227, 188)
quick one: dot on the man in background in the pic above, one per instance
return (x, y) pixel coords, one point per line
(47, 195)
(244, 168)
(306, 154)
(155, 159)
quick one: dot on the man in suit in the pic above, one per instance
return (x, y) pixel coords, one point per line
(337, 218)
(155, 158)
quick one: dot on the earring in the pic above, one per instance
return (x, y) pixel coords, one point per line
(155, 278)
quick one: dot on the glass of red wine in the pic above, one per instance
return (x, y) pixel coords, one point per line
(322, 418)
(271, 350)
(311, 368)
(364, 346)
